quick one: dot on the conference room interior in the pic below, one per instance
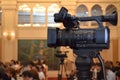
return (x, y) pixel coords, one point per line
(24, 30)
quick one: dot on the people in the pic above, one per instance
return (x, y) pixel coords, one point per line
(8, 72)
(37, 70)
(96, 71)
(45, 68)
(110, 75)
(27, 75)
(41, 73)
(117, 70)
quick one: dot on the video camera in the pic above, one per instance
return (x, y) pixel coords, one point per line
(85, 42)
(80, 38)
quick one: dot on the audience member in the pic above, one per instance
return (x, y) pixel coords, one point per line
(40, 72)
(11, 73)
(34, 72)
(109, 73)
(27, 75)
(45, 68)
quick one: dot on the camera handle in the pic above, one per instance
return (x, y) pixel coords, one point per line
(84, 62)
(62, 67)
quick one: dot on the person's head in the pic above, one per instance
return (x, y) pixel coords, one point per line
(10, 72)
(43, 61)
(117, 63)
(27, 75)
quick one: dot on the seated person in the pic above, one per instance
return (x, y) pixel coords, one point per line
(27, 75)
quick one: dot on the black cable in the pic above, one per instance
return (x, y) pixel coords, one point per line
(102, 65)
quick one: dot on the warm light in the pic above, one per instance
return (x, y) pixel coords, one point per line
(9, 35)
(12, 34)
(4, 34)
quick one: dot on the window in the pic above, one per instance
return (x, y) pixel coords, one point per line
(52, 9)
(24, 15)
(38, 15)
(109, 10)
(96, 11)
(82, 11)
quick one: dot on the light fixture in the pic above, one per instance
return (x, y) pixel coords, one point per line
(9, 35)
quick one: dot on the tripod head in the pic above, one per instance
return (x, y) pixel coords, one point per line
(61, 55)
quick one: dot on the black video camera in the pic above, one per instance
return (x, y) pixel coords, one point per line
(80, 38)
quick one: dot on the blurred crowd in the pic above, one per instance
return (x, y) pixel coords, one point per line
(27, 70)
(112, 71)
(37, 70)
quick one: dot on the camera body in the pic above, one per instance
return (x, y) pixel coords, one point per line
(80, 38)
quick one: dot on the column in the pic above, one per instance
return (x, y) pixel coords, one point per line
(118, 32)
(9, 13)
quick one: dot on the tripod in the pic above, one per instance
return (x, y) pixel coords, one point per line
(62, 67)
(83, 63)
